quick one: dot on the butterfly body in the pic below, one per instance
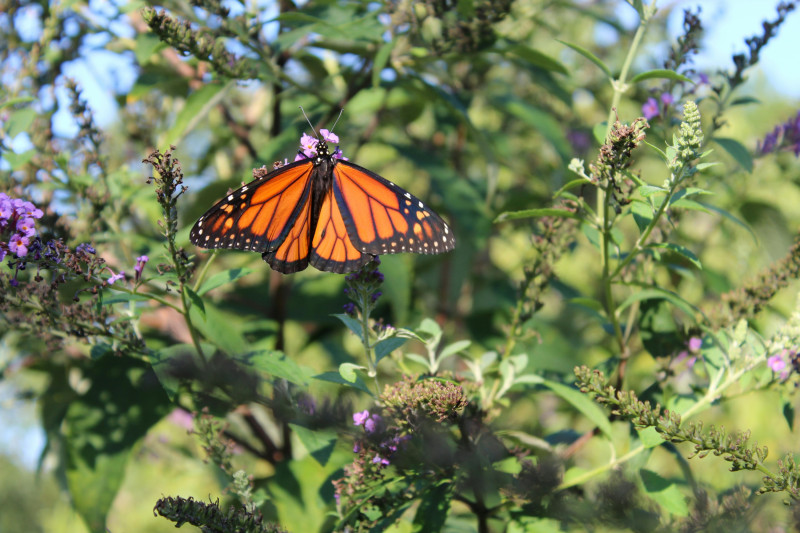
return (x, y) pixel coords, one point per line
(323, 211)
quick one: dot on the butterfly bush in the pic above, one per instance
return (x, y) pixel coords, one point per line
(17, 224)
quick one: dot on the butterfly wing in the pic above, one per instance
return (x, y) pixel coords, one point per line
(332, 249)
(269, 215)
(381, 218)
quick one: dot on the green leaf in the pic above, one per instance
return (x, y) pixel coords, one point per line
(348, 371)
(276, 364)
(649, 293)
(650, 190)
(537, 58)
(20, 121)
(387, 346)
(194, 110)
(533, 213)
(599, 132)
(660, 74)
(680, 250)
(689, 204)
(222, 278)
(381, 58)
(650, 437)
(17, 161)
(102, 426)
(590, 56)
(642, 214)
(452, 349)
(318, 442)
(664, 492)
(788, 413)
(168, 363)
(744, 100)
(730, 217)
(429, 327)
(335, 377)
(736, 150)
(122, 297)
(433, 507)
(582, 403)
(14, 101)
(352, 324)
(197, 302)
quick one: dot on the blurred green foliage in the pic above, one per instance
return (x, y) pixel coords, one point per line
(656, 252)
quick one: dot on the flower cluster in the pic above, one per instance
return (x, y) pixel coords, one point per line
(362, 287)
(17, 220)
(615, 156)
(411, 401)
(308, 145)
(785, 136)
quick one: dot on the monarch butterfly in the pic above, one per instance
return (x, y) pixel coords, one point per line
(323, 210)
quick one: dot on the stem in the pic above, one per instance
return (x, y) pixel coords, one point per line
(606, 222)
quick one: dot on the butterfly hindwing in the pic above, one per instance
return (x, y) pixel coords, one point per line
(332, 249)
(260, 216)
(381, 218)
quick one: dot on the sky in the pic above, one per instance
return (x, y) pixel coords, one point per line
(727, 23)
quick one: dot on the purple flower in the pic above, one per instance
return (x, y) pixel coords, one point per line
(141, 261)
(25, 227)
(695, 343)
(703, 78)
(27, 209)
(356, 447)
(381, 460)
(360, 418)
(786, 135)
(116, 277)
(18, 244)
(770, 143)
(349, 309)
(2, 253)
(650, 108)
(6, 209)
(85, 248)
(329, 136)
(667, 99)
(309, 145)
(371, 424)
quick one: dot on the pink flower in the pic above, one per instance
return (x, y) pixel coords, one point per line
(776, 363)
(650, 108)
(667, 99)
(695, 343)
(329, 136)
(360, 418)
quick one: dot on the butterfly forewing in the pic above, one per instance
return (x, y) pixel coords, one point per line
(382, 218)
(261, 215)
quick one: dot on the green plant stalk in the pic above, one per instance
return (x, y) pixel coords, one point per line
(365, 304)
(639, 245)
(713, 394)
(620, 86)
(202, 276)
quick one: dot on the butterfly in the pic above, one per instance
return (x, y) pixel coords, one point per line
(322, 210)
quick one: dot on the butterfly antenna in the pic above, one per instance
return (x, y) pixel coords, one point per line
(337, 119)
(309, 122)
